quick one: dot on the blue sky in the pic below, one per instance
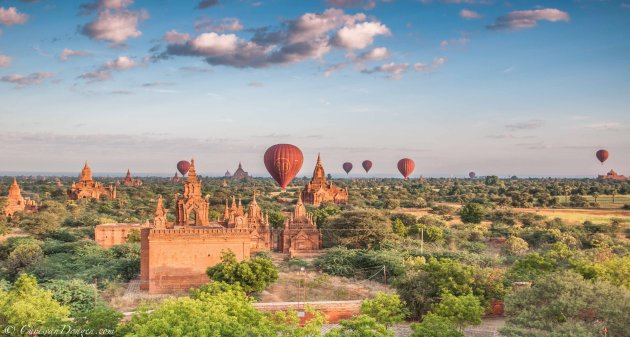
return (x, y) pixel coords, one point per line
(531, 88)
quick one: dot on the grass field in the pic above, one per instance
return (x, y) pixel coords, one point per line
(578, 216)
(605, 201)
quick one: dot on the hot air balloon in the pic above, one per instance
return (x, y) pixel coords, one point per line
(183, 166)
(472, 175)
(283, 161)
(367, 165)
(602, 155)
(406, 167)
(347, 166)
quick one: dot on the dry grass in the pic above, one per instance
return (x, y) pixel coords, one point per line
(319, 287)
(577, 216)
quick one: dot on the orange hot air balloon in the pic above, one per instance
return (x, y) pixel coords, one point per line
(283, 161)
(406, 167)
(347, 166)
(367, 165)
(602, 155)
(183, 166)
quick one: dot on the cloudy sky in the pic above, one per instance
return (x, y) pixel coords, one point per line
(531, 88)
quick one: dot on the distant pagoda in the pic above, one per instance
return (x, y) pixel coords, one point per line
(87, 188)
(240, 174)
(320, 190)
(16, 202)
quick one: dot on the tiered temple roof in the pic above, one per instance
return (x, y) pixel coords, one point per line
(319, 189)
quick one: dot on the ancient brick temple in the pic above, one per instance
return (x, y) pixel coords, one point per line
(240, 174)
(319, 189)
(175, 178)
(175, 255)
(87, 188)
(17, 203)
(130, 181)
(300, 235)
(612, 175)
(110, 234)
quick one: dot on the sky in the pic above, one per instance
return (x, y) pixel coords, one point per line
(527, 88)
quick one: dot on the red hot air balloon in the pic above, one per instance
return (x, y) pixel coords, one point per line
(602, 155)
(183, 166)
(283, 161)
(367, 165)
(406, 167)
(347, 166)
(472, 175)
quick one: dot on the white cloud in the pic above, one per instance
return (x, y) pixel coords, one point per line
(67, 53)
(307, 37)
(224, 25)
(435, 64)
(5, 61)
(175, 37)
(376, 54)
(444, 44)
(10, 16)
(395, 71)
(333, 69)
(114, 22)
(24, 80)
(104, 72)
(469, 14)
(361, 35)
(528, 19)
(120, 63)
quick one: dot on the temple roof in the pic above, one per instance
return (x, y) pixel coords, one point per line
(86, 173)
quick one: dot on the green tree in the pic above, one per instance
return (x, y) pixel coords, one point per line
(421, 289)
(461, 310)
(433, 325)
(77, 295)
(253, 275)
(472, 213)
(564, 304)
(492, 181)
(387, 309)
(276, 219)
(99, 318)
(26, 304)
(23, 256)
(218, 309)
(358, 229)
(360, 326)
(399, 228)
(515, 246)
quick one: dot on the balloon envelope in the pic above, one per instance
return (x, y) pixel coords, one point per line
(367, 165)
(347, 167)
(283, 162)
(183, 166)
(472, 175)
(602, 155)
(406, 167)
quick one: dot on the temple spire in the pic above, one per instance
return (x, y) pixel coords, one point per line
(86, 173)
(226, 213)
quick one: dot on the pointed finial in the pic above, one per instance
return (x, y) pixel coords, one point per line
(318, 158)
(239, 165)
